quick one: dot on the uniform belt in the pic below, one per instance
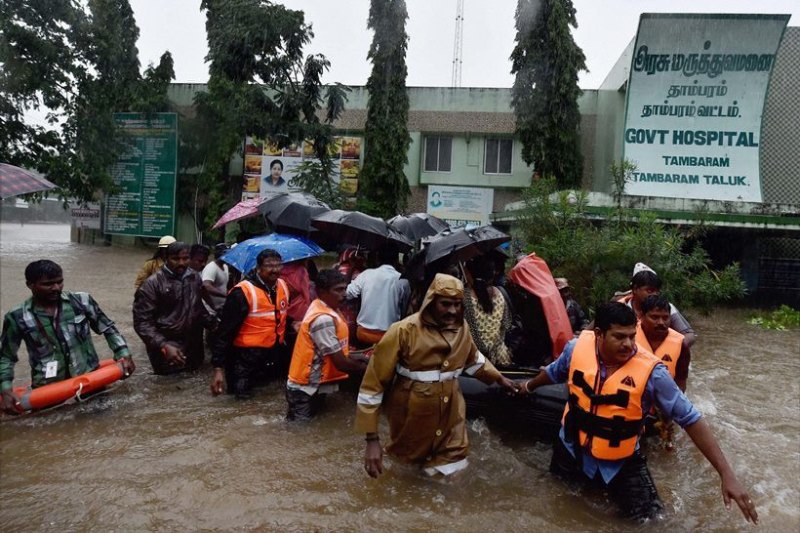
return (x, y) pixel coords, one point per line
(428, 376)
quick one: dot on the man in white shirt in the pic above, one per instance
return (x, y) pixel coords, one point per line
(383, 298)
(215, 280)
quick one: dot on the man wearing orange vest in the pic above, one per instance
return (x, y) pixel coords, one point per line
(612, 385)
(645, 282)
(320, 359)
(250, 336)
(654, 335)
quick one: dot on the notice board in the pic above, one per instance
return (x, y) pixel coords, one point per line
(145, 175)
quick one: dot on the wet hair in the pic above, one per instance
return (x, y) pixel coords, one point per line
(482, 271)
(328, 278)
(646, 278)
(387, 256)
(655, 301)
(267, 253)
(613, 313)
(176, 247)
(276, 161)
(199, 250)
(43, 268)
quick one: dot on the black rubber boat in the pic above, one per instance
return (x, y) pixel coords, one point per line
(537, 414)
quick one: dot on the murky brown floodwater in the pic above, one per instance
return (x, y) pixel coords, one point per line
(159, 453)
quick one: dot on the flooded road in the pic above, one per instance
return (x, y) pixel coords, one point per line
(160, 454)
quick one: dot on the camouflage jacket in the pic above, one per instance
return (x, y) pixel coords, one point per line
(67, 343)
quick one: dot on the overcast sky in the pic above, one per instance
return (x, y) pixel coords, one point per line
(340, 26)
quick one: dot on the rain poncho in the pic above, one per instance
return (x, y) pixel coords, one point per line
(416, 366)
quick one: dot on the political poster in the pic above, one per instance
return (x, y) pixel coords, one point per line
(268, 168)
(695, 98)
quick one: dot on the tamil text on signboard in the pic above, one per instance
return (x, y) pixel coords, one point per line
(694, 102)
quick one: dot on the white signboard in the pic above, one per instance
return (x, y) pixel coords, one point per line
(459, 206)
(85, 215)
(694, 102)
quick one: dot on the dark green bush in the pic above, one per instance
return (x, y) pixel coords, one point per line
(597, 256)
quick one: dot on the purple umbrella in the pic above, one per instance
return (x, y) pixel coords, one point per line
(15, 181)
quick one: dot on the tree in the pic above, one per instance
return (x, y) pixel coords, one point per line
(39, 59)
(79, 65)
(260, 84)
(546, 62)
(384, 189)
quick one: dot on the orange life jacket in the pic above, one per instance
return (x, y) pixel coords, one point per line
(669, 351)
(605, 420)
(265, 323)
(306, 367)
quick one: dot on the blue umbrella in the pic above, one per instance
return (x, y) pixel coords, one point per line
(291, 248)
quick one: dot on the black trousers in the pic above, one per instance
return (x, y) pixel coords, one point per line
(632, 489)
(247, 367)
(302, 407)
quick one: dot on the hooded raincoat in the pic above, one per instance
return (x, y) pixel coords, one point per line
(416, 366)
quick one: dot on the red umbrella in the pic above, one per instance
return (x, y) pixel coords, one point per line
(15, 181)
(244, 209)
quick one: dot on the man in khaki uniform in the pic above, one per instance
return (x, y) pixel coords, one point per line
(416, 365)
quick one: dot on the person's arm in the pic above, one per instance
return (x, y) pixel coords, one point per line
(704, 439)
(682, 368)
(102, 325)
(377, 378)
(679, 323)
(9, 346)
(323, 334)
(674, 405)
(478, 366)
(556, 372)
(355, 287)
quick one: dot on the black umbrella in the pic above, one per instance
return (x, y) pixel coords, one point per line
(292, 212)
(463, 244)
(418, 225)
(354, 227)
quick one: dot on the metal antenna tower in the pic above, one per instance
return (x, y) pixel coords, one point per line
(458, 44)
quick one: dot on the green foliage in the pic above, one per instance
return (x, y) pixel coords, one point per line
(546, 62)
(260, 84)
(384, 189)
(598, 257)
(78, 64)
(780, 319)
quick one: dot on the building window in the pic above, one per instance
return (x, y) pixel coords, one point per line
(438, 151)
(498, 156)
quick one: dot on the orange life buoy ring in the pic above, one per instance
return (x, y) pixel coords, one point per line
(107, 373)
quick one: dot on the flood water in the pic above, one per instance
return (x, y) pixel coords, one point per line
(161, 454)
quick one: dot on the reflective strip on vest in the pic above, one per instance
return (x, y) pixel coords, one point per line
(480, 360)
(254, 299)
(428, 376)
(370, 399)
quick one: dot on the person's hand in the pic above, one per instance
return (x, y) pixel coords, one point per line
(373, 458)
(524, 387)
(173, 355)
(128, 366)
(511, 386)
(217, 382)
(11, 403)
(733, 490)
